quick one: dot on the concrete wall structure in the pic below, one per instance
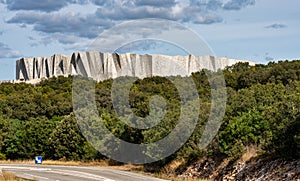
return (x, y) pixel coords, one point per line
(102, 66)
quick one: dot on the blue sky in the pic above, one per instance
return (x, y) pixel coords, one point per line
(255, 30)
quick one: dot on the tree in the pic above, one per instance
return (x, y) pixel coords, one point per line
(66, 140)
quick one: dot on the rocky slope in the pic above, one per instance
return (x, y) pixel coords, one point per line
(256, 169)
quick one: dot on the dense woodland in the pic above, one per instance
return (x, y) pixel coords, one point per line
(262, 110)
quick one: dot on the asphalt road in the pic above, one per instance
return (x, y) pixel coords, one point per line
(72, 173)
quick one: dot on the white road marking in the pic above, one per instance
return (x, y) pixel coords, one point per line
(15, 167)
(80, 174)
(62, 172)
(36, 176)
(132, 175)
(40, 169)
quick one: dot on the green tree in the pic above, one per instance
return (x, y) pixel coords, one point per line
(66, 140)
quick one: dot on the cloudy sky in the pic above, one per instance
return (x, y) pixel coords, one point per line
(255, 30)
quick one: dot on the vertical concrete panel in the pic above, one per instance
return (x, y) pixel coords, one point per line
(102, 66)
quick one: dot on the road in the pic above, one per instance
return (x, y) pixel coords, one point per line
(72, 173)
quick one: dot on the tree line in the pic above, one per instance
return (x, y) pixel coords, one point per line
(262, 109)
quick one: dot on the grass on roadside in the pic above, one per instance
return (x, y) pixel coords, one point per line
(57, 162)
(6, 176)
(173, 178)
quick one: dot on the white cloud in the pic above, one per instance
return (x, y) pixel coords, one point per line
(238, 4)
(66, 25)
(6, 52)
(39, 5)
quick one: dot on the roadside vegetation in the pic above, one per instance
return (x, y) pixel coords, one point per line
(6, 176)
(262, 112)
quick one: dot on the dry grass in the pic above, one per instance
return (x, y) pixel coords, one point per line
(76, 163)
(169, 172)
(180, 179)
(9, 177)
(176, 179)
(250, 153)
(57, 162)
(16, 162)
(170, 168)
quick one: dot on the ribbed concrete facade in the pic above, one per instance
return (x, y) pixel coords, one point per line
(102, 66)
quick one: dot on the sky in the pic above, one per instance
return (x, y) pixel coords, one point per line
(256, 30)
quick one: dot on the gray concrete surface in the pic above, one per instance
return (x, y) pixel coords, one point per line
(72, 173)
(102, 66)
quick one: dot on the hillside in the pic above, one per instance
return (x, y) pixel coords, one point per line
(261, 122)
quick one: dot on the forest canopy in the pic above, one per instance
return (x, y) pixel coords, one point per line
(262, 109)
